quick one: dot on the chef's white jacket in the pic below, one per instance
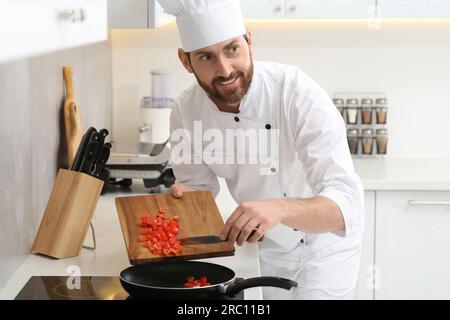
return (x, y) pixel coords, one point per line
(305, 155)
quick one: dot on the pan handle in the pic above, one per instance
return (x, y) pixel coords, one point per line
(237, 286)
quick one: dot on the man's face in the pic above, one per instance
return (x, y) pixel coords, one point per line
(224, 70)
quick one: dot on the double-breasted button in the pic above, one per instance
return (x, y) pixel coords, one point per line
(236, 119)
(268, 126)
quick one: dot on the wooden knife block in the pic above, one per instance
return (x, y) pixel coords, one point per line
(69, 211)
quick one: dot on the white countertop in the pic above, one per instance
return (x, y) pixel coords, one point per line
(110, 257)
(421, 174)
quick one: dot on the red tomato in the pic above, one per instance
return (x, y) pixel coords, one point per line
(188, 285)
(159, 234)
(192, 283)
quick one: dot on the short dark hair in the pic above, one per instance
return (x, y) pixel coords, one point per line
(189, 54)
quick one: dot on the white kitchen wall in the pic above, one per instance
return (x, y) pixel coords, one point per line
(407, 60)
(32, 136)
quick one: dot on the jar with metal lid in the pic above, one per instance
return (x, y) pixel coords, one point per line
(353, 140)
(352, 111)
(367, 141)
(366, 111)
(340, 105)
(381, 110)
(381, 139)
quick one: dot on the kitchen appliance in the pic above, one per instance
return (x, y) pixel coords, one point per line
(198, 216)
(149, 159)
(146, 161)
(91, 288)
(165, 280)
(155, 109)
(155, 127)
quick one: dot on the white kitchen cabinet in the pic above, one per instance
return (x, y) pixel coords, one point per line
(366, 280)
(330, 8)
(136, 14)
(263, 9)
(414, 8)
(412, 244)
(31, 27)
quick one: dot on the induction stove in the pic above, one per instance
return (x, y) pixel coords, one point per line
(78, 288)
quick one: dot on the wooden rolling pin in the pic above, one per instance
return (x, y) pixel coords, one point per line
(72, 118)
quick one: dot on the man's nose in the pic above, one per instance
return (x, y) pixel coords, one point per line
(223, 68)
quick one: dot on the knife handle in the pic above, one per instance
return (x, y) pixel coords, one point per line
(88, 158)
(102, 159)
(103, 133)
(79, 156)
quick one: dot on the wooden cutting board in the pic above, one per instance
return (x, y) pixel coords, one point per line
(72, 117)
(199, 216)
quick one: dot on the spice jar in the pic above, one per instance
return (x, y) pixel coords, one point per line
(366, 111)
(367, 141)
(382, 139)
(352, 111)
(340, 105)
(381, 110)
(353, 139)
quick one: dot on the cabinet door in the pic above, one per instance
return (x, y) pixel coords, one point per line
(87, 22)
(31, 27)
(414, 8)
(330, 8)
(128, 14)
(136, 14)
(263, 9)
(412, 245)
(365, 285)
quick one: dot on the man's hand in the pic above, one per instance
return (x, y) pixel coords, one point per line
(314, 215)
(177, 190)
(257, 216)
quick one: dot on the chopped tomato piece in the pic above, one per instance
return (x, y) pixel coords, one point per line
(191, 282)
(159, 234)
(188, 285)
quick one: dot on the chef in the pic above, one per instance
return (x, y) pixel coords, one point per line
(276, 138)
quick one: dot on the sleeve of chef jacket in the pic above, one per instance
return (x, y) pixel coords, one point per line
(196, 176)
(321, 143)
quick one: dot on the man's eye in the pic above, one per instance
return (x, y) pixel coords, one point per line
(233, 49)
(204, 58)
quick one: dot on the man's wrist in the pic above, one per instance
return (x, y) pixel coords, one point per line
(289, 210)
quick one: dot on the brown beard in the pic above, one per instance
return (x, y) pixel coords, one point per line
(232, 96)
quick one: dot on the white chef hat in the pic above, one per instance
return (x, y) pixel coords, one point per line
(202, 23)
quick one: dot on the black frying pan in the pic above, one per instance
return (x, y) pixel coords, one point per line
(164, 280)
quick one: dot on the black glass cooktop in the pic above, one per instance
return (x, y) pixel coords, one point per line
(80, 288)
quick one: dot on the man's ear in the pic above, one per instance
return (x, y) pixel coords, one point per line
(250, 42)
(185, 60)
